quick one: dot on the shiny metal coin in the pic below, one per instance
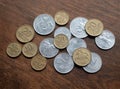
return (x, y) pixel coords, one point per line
(44, 24)
(106, 40)
(63, 63)
(47, 48)
(74, 44)
(95, 64)
(77, 27)
(63, 30)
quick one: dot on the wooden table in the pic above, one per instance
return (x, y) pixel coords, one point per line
(17, 73)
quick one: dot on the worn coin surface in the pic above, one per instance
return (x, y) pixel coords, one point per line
(38, 62)
(63, 63)
(82, 56)
(63, 30)
(14, 49)
(47, 48)
(61, 41)
(44, 24)
(77, 27)
(61, 18)
(25, 33)
(75, 43)
(106, 40)
(94, 27)
(29, 49)
(95, 64)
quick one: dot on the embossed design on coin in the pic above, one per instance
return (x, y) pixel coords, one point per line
(13, 49)
(38, 62)
(44, 24)
(29, 49)
(82, 56)
(94, 27)
(61, 41)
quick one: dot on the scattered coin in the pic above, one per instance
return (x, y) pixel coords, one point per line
(61, 18)
(63, 63)
(38, 62)
(94, 27)
(47, 48)
(106, 40)
(63, 30)
(14, 49)
(25, 33)
(44, 24)
(74, 44)
(77, 27)
(29, 49)
(61, 41)
(82, 56)
(95, 64)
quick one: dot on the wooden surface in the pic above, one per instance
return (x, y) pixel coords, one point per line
(18, 74)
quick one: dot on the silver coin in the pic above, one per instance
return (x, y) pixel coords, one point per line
(63, 63)
(75, 43)
(106, 40)
(95, 64)
(44, 24)
(77, 27)
(47, 48)
(63, 30)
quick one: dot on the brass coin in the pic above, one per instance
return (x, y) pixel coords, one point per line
(61, 41)
(82, 56)
(94, 27)
(38, 62)
(14, 49)
(25, 33)
(61, 18)
(29, 49)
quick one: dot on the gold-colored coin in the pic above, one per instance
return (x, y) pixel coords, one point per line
(25, 33)
(14, 49)
(38, 62)
(61, 41)
(94, 27)
(29, 49)
(61, 18)
(82, 56)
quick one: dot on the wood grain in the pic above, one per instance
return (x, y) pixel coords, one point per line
(18, 74)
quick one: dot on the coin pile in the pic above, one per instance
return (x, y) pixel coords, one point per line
(76, 47)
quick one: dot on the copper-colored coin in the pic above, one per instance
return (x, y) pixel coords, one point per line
(38, 62)
(14, 49)
(61, 18)
(94, 27)
(61, 41)
(29, 49)
(25, 33)
(82, 56)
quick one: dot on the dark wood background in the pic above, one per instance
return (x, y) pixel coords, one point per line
(18, 74)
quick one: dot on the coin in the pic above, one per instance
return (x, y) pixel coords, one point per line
(38, 62)
(61, 41)
(47, 48)
(77, 27)
(29, 49)
(74, 44)
(25, 33)
(94, 27)
(95, 64)
(13, 49)
(44, 24)
(63, 63)
(106, 40)
(82, 56)
(61, 18)
(63, 30)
